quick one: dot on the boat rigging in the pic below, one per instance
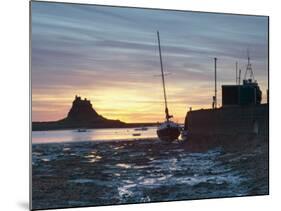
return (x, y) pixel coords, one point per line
(168, 130)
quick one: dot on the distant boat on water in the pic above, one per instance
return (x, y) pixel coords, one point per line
(167, 131)
(80, 130)
(141, 129)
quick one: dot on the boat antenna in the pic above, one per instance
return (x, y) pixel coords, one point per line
(163, 80)
(215, 97)
(249, 68)
(236, 78)
(239, 77)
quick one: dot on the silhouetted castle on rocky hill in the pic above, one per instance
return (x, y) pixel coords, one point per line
(81, 115)
(82, 110)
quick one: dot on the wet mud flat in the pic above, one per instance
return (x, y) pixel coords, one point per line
(119, 172)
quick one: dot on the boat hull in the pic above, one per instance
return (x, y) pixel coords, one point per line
(168, 134)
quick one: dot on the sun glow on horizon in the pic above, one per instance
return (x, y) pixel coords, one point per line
(129, 106)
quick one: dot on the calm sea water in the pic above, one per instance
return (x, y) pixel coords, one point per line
(78, 169)
(59, 136)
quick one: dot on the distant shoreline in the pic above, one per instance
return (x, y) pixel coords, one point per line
(49, 126)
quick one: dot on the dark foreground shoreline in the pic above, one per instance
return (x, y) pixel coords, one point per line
(120, 172)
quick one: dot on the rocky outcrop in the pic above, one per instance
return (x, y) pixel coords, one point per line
(83, 111)
(81, 115)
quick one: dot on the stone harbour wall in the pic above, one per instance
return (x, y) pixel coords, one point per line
(233, 121)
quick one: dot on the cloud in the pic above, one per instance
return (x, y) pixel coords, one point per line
(96, 50)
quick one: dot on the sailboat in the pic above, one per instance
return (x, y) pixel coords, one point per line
(167, 131)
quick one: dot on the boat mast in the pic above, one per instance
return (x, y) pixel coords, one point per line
(163, 79)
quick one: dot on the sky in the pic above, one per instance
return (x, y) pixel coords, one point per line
(110, 56)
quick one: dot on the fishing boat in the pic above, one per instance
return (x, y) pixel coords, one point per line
(167, 131)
